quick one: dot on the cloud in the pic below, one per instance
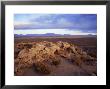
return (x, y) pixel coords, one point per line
(81, 22)
(63, 23)
(43, 23)
(56, 31)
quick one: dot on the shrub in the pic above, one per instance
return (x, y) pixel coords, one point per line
(42, 67)
(19, 72)
(28, 46)
(56, 61)
(78, 60)
(16, 52)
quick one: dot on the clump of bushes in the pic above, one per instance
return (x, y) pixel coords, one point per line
(56, 62)
(28, 45)
(42, 67)
(75, 59)
(19, 71)
(78, 61)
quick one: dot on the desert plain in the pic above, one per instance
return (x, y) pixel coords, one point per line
(55, 56)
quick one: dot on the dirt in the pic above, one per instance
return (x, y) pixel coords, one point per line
(66, 69)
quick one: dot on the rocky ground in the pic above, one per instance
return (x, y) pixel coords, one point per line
(53, 58)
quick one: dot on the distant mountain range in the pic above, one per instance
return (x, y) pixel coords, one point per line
(44, 35)
(47, 34)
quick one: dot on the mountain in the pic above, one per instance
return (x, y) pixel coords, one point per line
(33, 35)
(52, 35)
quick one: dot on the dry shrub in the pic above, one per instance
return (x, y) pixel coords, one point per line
(20, 71)
(15, 55)
(16, 52)
(20, 46)
(42, 67)
(93, 54)
(78, 60)
(69, 50)
(56, 62)
(28, 45)
(71, 58)
(75, 59)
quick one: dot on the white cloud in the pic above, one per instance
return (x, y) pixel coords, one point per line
(61, 23)
(56, 31)
(64, 22)
(21, 23)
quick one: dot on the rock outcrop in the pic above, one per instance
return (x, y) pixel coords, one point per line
(42, 54)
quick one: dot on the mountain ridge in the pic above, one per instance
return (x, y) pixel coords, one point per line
(47, 35)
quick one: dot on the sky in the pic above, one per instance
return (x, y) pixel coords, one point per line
(73, 24)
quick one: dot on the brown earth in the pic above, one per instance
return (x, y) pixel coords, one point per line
(55, 56)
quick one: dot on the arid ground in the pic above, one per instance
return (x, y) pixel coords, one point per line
(55, 56)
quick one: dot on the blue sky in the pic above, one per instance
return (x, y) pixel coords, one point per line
(55, 23)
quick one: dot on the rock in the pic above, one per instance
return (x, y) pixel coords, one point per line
(60, 44)
(66, 45)
(35, 53)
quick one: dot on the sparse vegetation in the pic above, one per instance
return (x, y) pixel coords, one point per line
(56, 62)
(45, 54)
(42, 67)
